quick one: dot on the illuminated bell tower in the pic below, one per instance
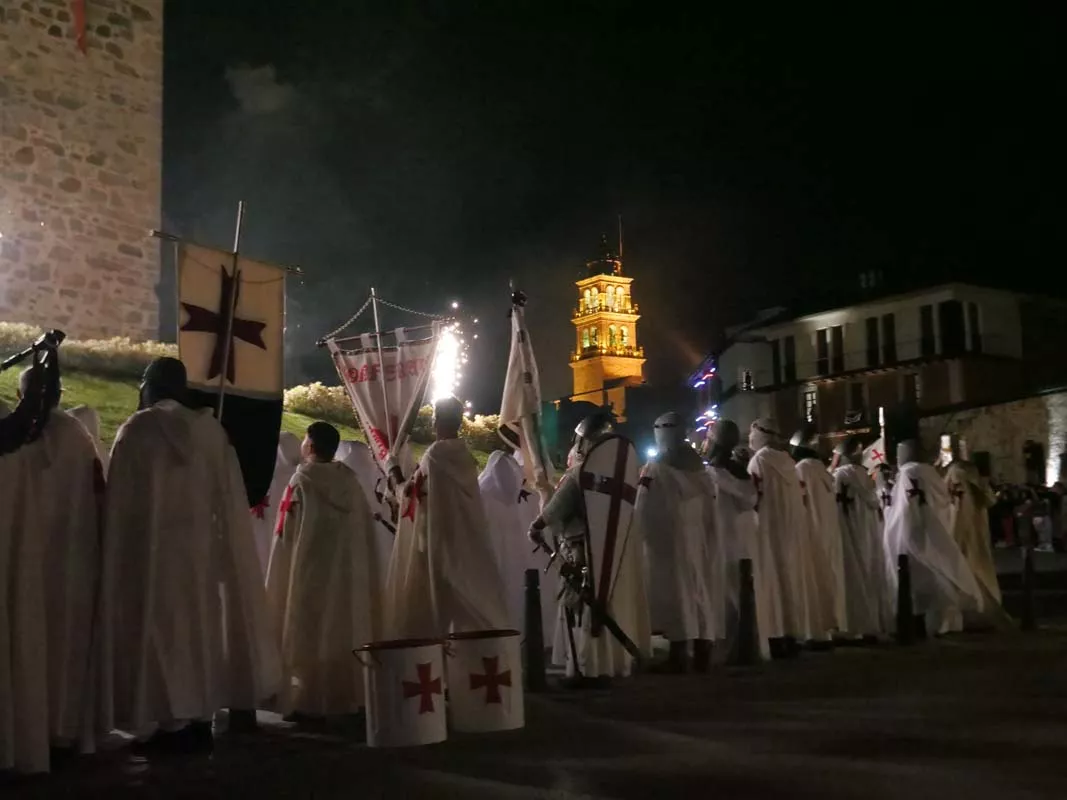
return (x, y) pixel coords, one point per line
(607, 357)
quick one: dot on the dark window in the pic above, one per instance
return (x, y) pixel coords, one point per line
(822, 352)
(927, 343)
(889, 339)
(776, 362)
(913, 389)
(747, 384)
(855, 396)
(837, 336)
(872, 342)
(790, 359)
(950, 319)
(976, 329)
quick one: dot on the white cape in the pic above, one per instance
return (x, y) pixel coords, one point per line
(742, 537)
(686, 566)
(443, 574)
(827, 592)
(510, 509)
(358, 458)
(323, 590)
(971, 499)
(185, 623)
(917, 523)
(783, 521)
(867, 583)
(91, 421)
(265, 515)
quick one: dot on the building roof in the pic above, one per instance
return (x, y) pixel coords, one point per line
(606, 261)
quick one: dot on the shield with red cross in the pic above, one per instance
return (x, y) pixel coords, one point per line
(608, 479)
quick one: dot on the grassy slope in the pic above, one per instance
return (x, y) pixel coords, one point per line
(115, 400)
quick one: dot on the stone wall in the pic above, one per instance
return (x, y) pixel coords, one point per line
(1002, 429)
(80, 165)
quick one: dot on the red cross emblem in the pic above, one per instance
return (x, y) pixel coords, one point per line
(283, 509)
(492, 680)
(414, 495)
(259, 510)
(424, 689)
(877, 456)
(204, 320)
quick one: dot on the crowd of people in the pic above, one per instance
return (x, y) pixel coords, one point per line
(139, 593)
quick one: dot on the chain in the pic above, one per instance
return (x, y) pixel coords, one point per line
(411, 310)
(351, 319)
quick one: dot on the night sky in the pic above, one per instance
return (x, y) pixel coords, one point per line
(437, 149)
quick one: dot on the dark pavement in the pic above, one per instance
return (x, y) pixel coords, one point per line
(973, 716)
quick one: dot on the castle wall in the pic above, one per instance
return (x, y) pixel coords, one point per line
(80, 165)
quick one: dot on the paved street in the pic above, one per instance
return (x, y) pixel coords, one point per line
(973, 716)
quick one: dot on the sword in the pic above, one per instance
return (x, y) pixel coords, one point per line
(388, 526)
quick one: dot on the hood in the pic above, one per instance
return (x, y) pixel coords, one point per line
(332, 484)
(170, 424)
(778, 462)
(89, 418)
(502, 477)
(289, 449)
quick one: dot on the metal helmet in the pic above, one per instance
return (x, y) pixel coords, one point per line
(805, 442)
(669, 430)
(588, 432)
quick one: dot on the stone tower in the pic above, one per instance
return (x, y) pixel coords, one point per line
(607, 358)
(81, 103)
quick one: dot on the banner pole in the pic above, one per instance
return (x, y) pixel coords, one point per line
(381, 367)
(231, 312)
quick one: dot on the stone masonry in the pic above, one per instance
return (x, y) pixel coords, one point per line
(80, 165)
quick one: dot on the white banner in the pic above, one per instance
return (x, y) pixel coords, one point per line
(520, 407)
(874, 454)
(387, 393)
(254, 366)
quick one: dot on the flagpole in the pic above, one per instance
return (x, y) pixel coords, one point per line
(231, 312)
(381, 367)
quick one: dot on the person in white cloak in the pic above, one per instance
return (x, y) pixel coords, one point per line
(443, 575)
(186, 631)
(742, 537)
(593, 660)
(66, 506)
(90, 420)
(826, 595)
(783, 521)
(323, 583)
(357, 457)
(265, 514)
(510, 508)
(867, 593)
(971, 498)
(675, 508)
(918, 523)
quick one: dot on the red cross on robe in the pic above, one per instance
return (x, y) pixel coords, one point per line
(492, 680)
(424, 689)
(259, 510)
(284, 508)
(414, 494)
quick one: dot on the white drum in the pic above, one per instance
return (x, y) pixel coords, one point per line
(485, 681)
(404, 683)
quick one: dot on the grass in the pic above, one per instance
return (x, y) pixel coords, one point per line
(115, 400)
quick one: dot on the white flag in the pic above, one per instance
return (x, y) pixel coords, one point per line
(387, 392)
(255, 361)
(874, 454)
(520, 408)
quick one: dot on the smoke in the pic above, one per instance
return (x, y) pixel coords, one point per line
(257, 89)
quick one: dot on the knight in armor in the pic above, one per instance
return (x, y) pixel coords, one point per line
(592, 655)
(826, 592)
(676, 510)
(918, 523)
(972, 498)
(867, 594)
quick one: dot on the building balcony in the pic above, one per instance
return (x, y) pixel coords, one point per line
(615, 352)
(585, 309)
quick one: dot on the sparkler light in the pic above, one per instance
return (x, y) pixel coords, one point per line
(446, 369)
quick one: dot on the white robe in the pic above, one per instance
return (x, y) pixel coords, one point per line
(510, 509)
(827, 592)
(358, 458)
(185, 621)
(264, 515)
(742, 537)
(917, 523)
(323, 589)
(443, 574)
(686, 564)
(971, 499)
(867, 584)
(783, 521)
(91, 421)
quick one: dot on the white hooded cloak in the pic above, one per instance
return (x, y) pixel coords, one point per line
(917, 523)
(323, 589)
(88, 417)
(510, 509)
(867, 583)
(686, 565)
(265, 515)
(827, 591)
(185, 621)
(443, 574)
(358, 458)
(971, 499)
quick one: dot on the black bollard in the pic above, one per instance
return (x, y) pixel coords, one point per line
(534, 654)
(746, 652)
(1029, 620)
(905, 613)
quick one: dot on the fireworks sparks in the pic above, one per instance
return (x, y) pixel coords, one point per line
(448, 366)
